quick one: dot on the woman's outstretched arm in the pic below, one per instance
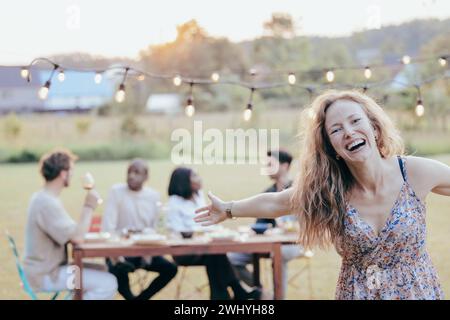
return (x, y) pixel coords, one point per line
(264, 205)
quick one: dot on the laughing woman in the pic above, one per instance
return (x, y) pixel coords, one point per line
(358, 192)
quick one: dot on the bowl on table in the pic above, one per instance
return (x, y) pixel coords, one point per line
(260, 228)
(187, 234)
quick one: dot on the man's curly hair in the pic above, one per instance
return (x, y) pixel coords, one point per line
(51, 164)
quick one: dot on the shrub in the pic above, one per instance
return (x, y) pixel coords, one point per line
(83, 125)
(130, 126)
(12, 126)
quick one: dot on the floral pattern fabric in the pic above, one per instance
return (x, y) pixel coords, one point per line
(393, 264)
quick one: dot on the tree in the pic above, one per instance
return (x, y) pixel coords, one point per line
(190, 31)
(281, 25)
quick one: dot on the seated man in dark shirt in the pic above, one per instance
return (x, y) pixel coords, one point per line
(281, 160)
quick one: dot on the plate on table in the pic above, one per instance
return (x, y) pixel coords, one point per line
(275, 231)
(149, 239)
(94, 237)
(225, 235)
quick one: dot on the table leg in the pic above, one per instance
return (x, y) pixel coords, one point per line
(277, 275)
(256, 270)
(77, 257)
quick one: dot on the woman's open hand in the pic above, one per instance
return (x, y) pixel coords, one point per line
(213, 213)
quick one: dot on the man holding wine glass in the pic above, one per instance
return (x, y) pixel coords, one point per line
(49, 228)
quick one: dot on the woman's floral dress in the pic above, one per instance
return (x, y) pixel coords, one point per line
(393, 264)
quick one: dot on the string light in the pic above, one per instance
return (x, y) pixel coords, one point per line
(420, 110)
(406, 59)
(291, 78)
(24, 72)
(43, 91)
(311, 114)
(330, 76)
(248, 110)
(190, 109)
(120, 94)
(61, 76)
(177, 80)
(98, 77)
(215, 77)
(367, 72)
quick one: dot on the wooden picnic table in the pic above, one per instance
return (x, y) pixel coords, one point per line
(258, 244)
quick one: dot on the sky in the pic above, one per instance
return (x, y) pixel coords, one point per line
(30, 28)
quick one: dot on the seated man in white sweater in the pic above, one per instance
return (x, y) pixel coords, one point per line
(133, 206)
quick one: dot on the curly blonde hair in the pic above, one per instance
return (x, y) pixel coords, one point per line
(323, 185)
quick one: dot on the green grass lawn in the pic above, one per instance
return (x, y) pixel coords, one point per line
(18, 182)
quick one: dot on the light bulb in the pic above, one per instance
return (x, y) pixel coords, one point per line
(190, 110)
(141, 77)
(443, 61)
(406, 59)
(24, 73)
(61, 76)
(247, 114)
(215, 77)
(177, 80)
(43, 91)
(311, 113)
(120, 94)
(291, 78)
(330, 76)
(98, 77)
(420, 110)
(367, 72)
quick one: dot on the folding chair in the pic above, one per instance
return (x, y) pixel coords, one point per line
(198, 289)
(306, 256)
(305, 269)
(23, 279)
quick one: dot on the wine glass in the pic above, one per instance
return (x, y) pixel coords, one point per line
(89, 183)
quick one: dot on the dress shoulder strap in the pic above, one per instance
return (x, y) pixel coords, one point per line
(401, 163)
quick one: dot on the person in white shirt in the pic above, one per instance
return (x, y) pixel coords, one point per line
(185, 196)
(134, 207)
(49, 228)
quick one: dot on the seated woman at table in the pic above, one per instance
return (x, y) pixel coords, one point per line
(185, 196)
(133, 206)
